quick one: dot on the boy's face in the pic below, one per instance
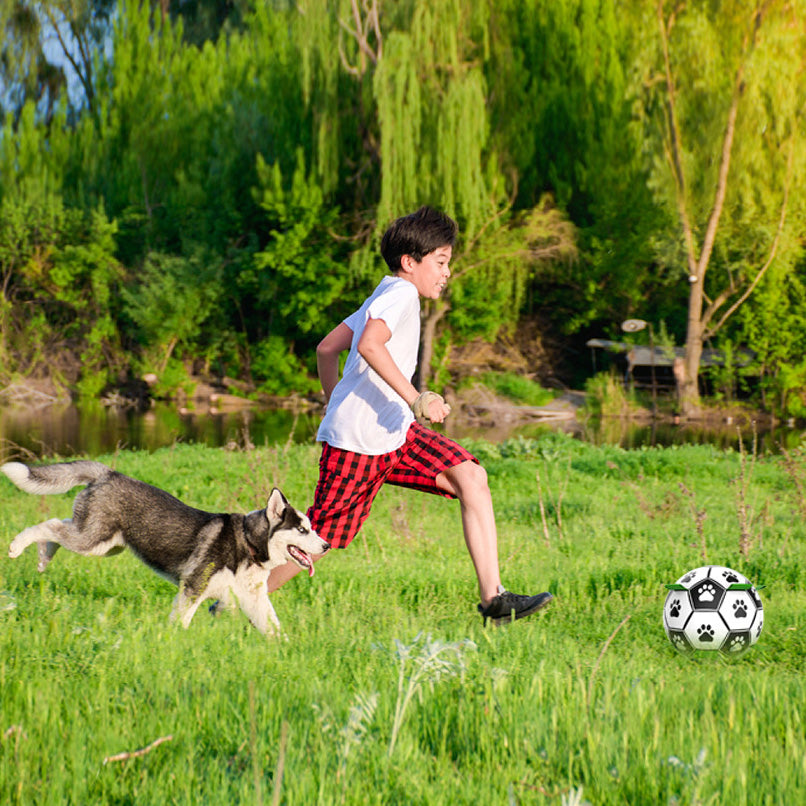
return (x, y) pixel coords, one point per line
(430, 275)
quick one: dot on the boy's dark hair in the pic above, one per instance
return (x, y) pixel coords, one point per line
(416, 235)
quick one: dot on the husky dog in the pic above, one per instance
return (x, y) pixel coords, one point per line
(208, 555)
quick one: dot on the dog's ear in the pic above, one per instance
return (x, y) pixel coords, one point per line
(276, 505)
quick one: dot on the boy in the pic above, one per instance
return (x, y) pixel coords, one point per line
(370, 431)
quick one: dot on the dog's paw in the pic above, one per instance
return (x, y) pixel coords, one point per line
(46, 552)
(15, 549)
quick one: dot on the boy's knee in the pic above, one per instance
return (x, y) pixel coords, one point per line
(469, 478)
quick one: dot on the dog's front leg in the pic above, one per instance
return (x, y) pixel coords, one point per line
(250, 591)
(185, 607)
(262, 614)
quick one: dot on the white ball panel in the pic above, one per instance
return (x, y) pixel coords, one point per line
(706, 630)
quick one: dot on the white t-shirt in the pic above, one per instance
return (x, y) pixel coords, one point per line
(364, 413)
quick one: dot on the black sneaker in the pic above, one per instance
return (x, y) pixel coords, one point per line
(508, 606)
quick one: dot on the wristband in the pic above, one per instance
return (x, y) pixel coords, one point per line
(421, 404)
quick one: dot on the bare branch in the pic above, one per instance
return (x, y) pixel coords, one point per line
(353, 71)
(673, 149)
(727, 148)
(553, 241)
(369, 22)
(722, 298)
(374, 17)
(722, 181)
(136, 753)
(83, 70)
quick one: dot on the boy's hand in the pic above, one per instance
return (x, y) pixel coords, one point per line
(430, 407)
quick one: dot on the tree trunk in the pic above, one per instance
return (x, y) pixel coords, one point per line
(688, 385)
(432, 314)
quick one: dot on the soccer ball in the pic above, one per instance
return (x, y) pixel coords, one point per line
(713, 608)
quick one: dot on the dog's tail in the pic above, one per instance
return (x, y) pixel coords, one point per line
(53, 479)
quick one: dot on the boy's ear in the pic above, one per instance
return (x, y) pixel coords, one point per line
(406, 263)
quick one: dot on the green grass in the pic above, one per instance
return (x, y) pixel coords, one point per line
(588, 694)
(517, 388)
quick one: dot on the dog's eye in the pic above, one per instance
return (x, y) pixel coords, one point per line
(301, 529)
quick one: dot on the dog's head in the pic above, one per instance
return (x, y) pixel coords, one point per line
(289, 538)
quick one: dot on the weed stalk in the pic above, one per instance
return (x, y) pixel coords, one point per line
(428, 665)
(742, 486)
(699, 519)
(253, 744)
(279, 770)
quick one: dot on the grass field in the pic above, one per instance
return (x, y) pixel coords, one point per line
(388, 690)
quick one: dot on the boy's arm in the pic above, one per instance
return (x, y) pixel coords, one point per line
(372, 348)
(327, 356)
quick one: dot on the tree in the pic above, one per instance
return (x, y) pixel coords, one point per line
(204, 20)
(431, 93)
(722, 109)
(296, 278)
(492, 273)
(33, 71)
(171, 303)
(58, 274)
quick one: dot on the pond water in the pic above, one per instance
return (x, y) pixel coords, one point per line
(95, 429)
(68, 430)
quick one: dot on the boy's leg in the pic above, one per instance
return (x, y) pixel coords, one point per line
(468, 482)
(347, 486)
(435, 464)
(282, 573)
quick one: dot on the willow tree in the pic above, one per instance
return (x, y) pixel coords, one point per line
(723, 112)
(432, 114)
(433, 117)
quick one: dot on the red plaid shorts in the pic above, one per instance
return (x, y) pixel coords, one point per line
(349, 482)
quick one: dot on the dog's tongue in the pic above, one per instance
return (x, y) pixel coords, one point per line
(302, 557)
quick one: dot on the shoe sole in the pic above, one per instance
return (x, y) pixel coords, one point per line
(503, 620)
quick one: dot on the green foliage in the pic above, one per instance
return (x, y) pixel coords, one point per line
(59, 277)
(605, 396)
(39, 40)
(723, 149)
(563, 78)
(172, 377)
(171, 303)
(277, 371)
(296, 278)
(496, 272)
(792, 383)
(431, 102)
(258, 150)
(517, 388)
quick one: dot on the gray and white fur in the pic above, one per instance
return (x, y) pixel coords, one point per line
(208, 555)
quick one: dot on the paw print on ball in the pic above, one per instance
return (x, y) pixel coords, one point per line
(737, 643)
(740, 609)
(680, 643)
(705, 634)
(707, 593)
(674, 609)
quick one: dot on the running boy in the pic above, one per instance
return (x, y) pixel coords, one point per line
(370, 431)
